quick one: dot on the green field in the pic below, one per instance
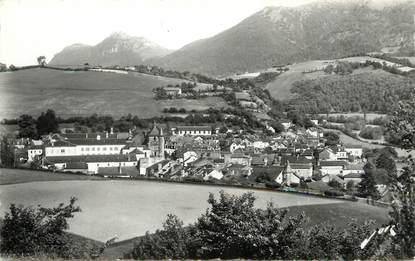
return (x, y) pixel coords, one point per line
(84, 93)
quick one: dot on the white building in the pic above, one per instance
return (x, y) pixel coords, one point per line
(333, 167)
(33, 152)
(192, 130)
(356, 151)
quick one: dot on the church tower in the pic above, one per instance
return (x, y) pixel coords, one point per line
(161, 143)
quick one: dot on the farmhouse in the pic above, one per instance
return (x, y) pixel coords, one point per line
(33, 152)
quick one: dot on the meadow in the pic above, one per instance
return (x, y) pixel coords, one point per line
(84, 93)
(130, 208)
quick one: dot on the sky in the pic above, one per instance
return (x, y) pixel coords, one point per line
(30, 28)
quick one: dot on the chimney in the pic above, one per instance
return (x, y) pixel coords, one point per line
(112, 130)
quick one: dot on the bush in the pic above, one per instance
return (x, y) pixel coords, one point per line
(372, 133)
(333, 193)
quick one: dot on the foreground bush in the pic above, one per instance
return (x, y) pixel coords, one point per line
(39, 232)
(233, 228)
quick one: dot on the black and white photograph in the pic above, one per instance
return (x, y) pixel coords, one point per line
(207, 130)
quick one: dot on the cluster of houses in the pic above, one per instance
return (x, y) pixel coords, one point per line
(200, 152)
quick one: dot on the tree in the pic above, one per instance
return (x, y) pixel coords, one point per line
(27, 127)
(403, 187)
(7, 153)
(47, 123)
(384, 161)
(41, 60)
(332, 139)
(367, 187)
(169, 243)
(39, 232)
(403, 214)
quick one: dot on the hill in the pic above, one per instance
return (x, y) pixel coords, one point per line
(80, 93)
(117, 49)
(369, 91)
(283, 35)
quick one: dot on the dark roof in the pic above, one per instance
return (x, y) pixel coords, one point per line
(294, 160)
(97, 142)
(89, 135)
(76, 165)
(300, 166)
(272, 171)
(329, 163)
(35, 147)
(91, 158)
(352, 175)
(60, 143)
(115, 171)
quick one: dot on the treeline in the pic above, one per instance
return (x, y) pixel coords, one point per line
(351, 93)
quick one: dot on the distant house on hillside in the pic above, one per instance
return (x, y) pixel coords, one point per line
(173, 91)
(192, 130)
(242, 96)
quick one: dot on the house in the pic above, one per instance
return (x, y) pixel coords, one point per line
(288, 178)
(213, 173)
(192, 130)
(33, 152)
(341, 153)
(262, 159)
(308, 154)
(304, 171)
(270, 172)
(118, 172)
(173, 91)
(356, 178)
(354, 150)
(93, 162)
(327, 154)
(83, 144)
(189, 157)
(354, 168)
(76, 167)
(235, 146)
(314, 132)
(239, 158)
(239, 170)
(242, 96)
(332, 167)
(287, 124)
(329, 177)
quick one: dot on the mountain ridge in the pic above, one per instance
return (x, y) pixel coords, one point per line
(117, 49)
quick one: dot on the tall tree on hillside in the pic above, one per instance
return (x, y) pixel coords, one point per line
(27, 127)
(47, 123)
(367, 187)
(6, 153)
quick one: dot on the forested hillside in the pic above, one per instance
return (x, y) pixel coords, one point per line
(370, 91)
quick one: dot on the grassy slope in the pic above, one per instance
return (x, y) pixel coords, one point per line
(280, 88)
(83, 93)
(14, 176)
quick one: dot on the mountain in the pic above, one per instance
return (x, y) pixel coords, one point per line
(282, 35)
(117, 49)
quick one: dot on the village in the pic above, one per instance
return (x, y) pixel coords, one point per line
(296, 159)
